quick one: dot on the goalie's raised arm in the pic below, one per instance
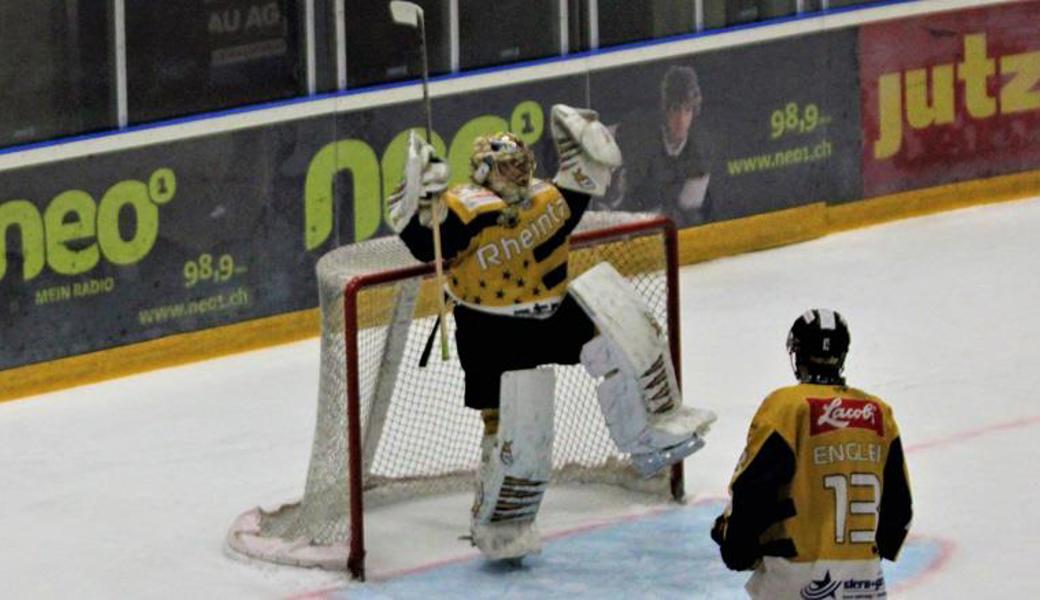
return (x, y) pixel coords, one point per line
(586, 148)
(425, 177)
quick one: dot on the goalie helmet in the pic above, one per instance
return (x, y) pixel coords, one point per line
(817, 343)
(504, 163)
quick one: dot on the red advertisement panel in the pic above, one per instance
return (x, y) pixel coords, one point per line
(949, 97)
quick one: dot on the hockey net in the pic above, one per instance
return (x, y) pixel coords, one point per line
(389, 429)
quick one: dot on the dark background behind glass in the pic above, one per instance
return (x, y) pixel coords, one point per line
(379, 51)
(193, 56)
(186, 57)
(56, 72)
(723, 13)
(507, 31)
(622, 21)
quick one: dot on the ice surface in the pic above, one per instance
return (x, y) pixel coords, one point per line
(125, 489)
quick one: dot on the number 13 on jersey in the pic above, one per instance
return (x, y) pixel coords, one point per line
(839, 485)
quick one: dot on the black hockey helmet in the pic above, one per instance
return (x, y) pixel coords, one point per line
(817, 343)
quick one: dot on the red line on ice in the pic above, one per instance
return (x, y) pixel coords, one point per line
(960, 436)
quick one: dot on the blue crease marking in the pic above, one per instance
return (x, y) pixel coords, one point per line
(664, 555)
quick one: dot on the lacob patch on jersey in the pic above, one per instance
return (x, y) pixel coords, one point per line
(832, 414)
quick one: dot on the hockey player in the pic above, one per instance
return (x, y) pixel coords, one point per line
(820, 494)
(505, 239)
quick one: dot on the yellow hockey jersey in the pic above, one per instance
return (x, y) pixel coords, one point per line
(500, 258)
(822, 483)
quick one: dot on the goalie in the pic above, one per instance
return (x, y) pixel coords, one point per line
(505, 242)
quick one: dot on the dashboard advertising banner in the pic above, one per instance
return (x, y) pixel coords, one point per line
(735, 132)
(950, 97)
(138, 244)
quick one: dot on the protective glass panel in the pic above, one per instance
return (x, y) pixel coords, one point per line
(621, 21)
(380, 51)
(507, 31)
(191, 56)
(723, 13)
(55, 77)
(842, 3)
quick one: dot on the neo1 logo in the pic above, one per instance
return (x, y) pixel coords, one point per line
(374, 177)
(73, 232)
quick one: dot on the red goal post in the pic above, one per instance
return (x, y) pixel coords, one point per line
(388, 429)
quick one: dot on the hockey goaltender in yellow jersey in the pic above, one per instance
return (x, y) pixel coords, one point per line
(821, 493)
(505, 238)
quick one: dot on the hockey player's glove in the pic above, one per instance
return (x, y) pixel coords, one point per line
(425, 177)
(586, 148)
(742, 550)
(739, 555)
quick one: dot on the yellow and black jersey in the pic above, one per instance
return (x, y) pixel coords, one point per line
(504, 259)
(507, 270)
(822, 479)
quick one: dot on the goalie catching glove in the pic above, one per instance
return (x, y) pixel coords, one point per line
(425, 176)
(586, 148)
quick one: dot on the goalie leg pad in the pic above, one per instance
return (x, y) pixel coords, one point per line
(655, 441)
(639, 394)
(515, 466)
(632, 427)
(636, 340)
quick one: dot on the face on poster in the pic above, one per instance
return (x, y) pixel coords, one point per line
(729, 133)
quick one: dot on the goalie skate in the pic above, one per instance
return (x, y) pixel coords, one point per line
(507, 541)
(682, 420)
(676, 421)
(649, 463)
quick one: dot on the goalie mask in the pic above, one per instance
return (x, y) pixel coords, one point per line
(817, 343)
(503, 163)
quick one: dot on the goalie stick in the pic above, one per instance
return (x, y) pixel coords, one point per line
(424, 358)
(411, 15)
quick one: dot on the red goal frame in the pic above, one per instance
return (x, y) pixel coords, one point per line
(662, 226)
